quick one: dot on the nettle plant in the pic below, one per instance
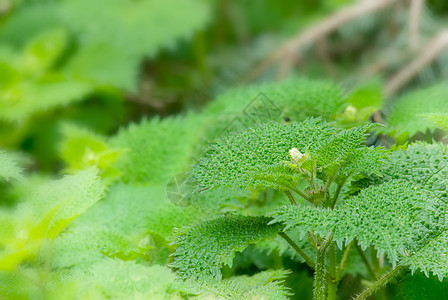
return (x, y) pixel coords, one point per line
(347, 201)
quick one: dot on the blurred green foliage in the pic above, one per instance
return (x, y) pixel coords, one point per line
(105, 106)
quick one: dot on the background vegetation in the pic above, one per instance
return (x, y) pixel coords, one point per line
(106, 105)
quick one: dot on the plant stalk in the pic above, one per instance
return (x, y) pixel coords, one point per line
(291, 197)
(344, 260)
(383, 280)
(332, 284)
(320, 276)
(338, 191)
(302, 253)
(366, 262)
(303, 195)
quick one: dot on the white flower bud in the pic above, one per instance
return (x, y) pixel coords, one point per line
(350, 112)
(297, 157)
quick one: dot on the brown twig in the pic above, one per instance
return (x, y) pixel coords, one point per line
(317, 32)
(429, 53)
(5, 7)
(415, 14)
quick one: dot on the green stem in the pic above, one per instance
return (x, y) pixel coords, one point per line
(302, 253)
(338, 191)
(374, 258)
(366, 262)
(333, 284)
(344, 260)
(320, 280)
(303, 195)
(383, 280)
(320, 276)
(291, 197)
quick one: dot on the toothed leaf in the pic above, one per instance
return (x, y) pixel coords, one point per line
(203, 249)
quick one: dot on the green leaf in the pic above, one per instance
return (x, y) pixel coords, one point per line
(129, 280)
(295, 99)
(130, 222)
(163, 24)
(82, 149)
(439, 119)
(430, 257)
(83, 246)
(392, 216)
(265, 285)
(406, 114)
(30, 96)
(424, 164)
(48, 209)
(366, 95)
(157, 149)
(9, 168)
(135, 210)
(257, 157)
(102, 64)
(204, 248)
(368, 160)
(340, 146)
(42, 52)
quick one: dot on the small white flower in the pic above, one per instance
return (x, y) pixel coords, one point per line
(297, 157)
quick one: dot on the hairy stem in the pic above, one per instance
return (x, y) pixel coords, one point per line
(320, 276)
(302, 253)
(383, 280)
(291, 197)
(366, 262)
(332, 284)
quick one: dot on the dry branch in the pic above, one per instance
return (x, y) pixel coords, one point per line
(426, 57)
(289, 50)
(415, 14)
